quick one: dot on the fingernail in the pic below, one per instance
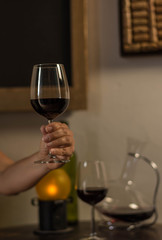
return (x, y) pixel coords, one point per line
(46, 138)
(49, 128)
(49, 144)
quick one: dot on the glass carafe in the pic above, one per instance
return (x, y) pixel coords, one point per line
(126, 206)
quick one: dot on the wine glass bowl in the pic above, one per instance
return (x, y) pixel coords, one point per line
(49, 94)
(49, 90)
(91, 187)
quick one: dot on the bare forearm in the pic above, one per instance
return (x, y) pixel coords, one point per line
(21, 175)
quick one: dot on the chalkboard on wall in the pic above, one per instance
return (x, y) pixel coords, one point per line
(42, 31)
(31, 33)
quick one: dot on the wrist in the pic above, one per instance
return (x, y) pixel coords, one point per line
(46, 167)
(37, 157)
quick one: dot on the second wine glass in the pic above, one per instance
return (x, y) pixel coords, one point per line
(49, 94)
(91, 184)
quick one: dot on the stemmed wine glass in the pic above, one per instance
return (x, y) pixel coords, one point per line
(49, 94)
(91, 184)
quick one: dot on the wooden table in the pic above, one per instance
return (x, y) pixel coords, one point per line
(27, 233)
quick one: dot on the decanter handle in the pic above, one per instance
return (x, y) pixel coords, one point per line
(155, 168)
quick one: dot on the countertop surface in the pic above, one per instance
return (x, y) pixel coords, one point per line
(82, 229)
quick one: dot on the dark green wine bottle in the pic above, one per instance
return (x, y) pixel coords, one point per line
(72, 203)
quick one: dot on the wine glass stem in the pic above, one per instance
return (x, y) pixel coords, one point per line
(50, 121)
(93, 233)
(50, 155)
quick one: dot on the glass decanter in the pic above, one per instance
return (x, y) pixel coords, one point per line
(126, 206)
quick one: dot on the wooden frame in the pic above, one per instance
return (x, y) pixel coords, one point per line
(14, 99)
(141, 27)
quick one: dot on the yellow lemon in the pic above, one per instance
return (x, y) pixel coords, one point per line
(53, 186)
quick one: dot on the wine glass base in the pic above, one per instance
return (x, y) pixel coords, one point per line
(51, 161)
(93, 238)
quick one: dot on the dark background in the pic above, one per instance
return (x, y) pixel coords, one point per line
(33, 32)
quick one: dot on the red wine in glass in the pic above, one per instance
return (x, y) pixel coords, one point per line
(50, 108)
(49, 95)
(91, 188)
(92, 195)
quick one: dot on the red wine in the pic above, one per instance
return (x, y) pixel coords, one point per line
(128, 215)
(92, 195)
(50, 107)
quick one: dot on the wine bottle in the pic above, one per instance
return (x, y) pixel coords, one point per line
(72, 204)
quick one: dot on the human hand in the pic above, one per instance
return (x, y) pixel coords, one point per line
(58, 140)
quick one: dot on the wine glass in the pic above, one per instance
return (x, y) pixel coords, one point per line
(49, 94)
(91, 184)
